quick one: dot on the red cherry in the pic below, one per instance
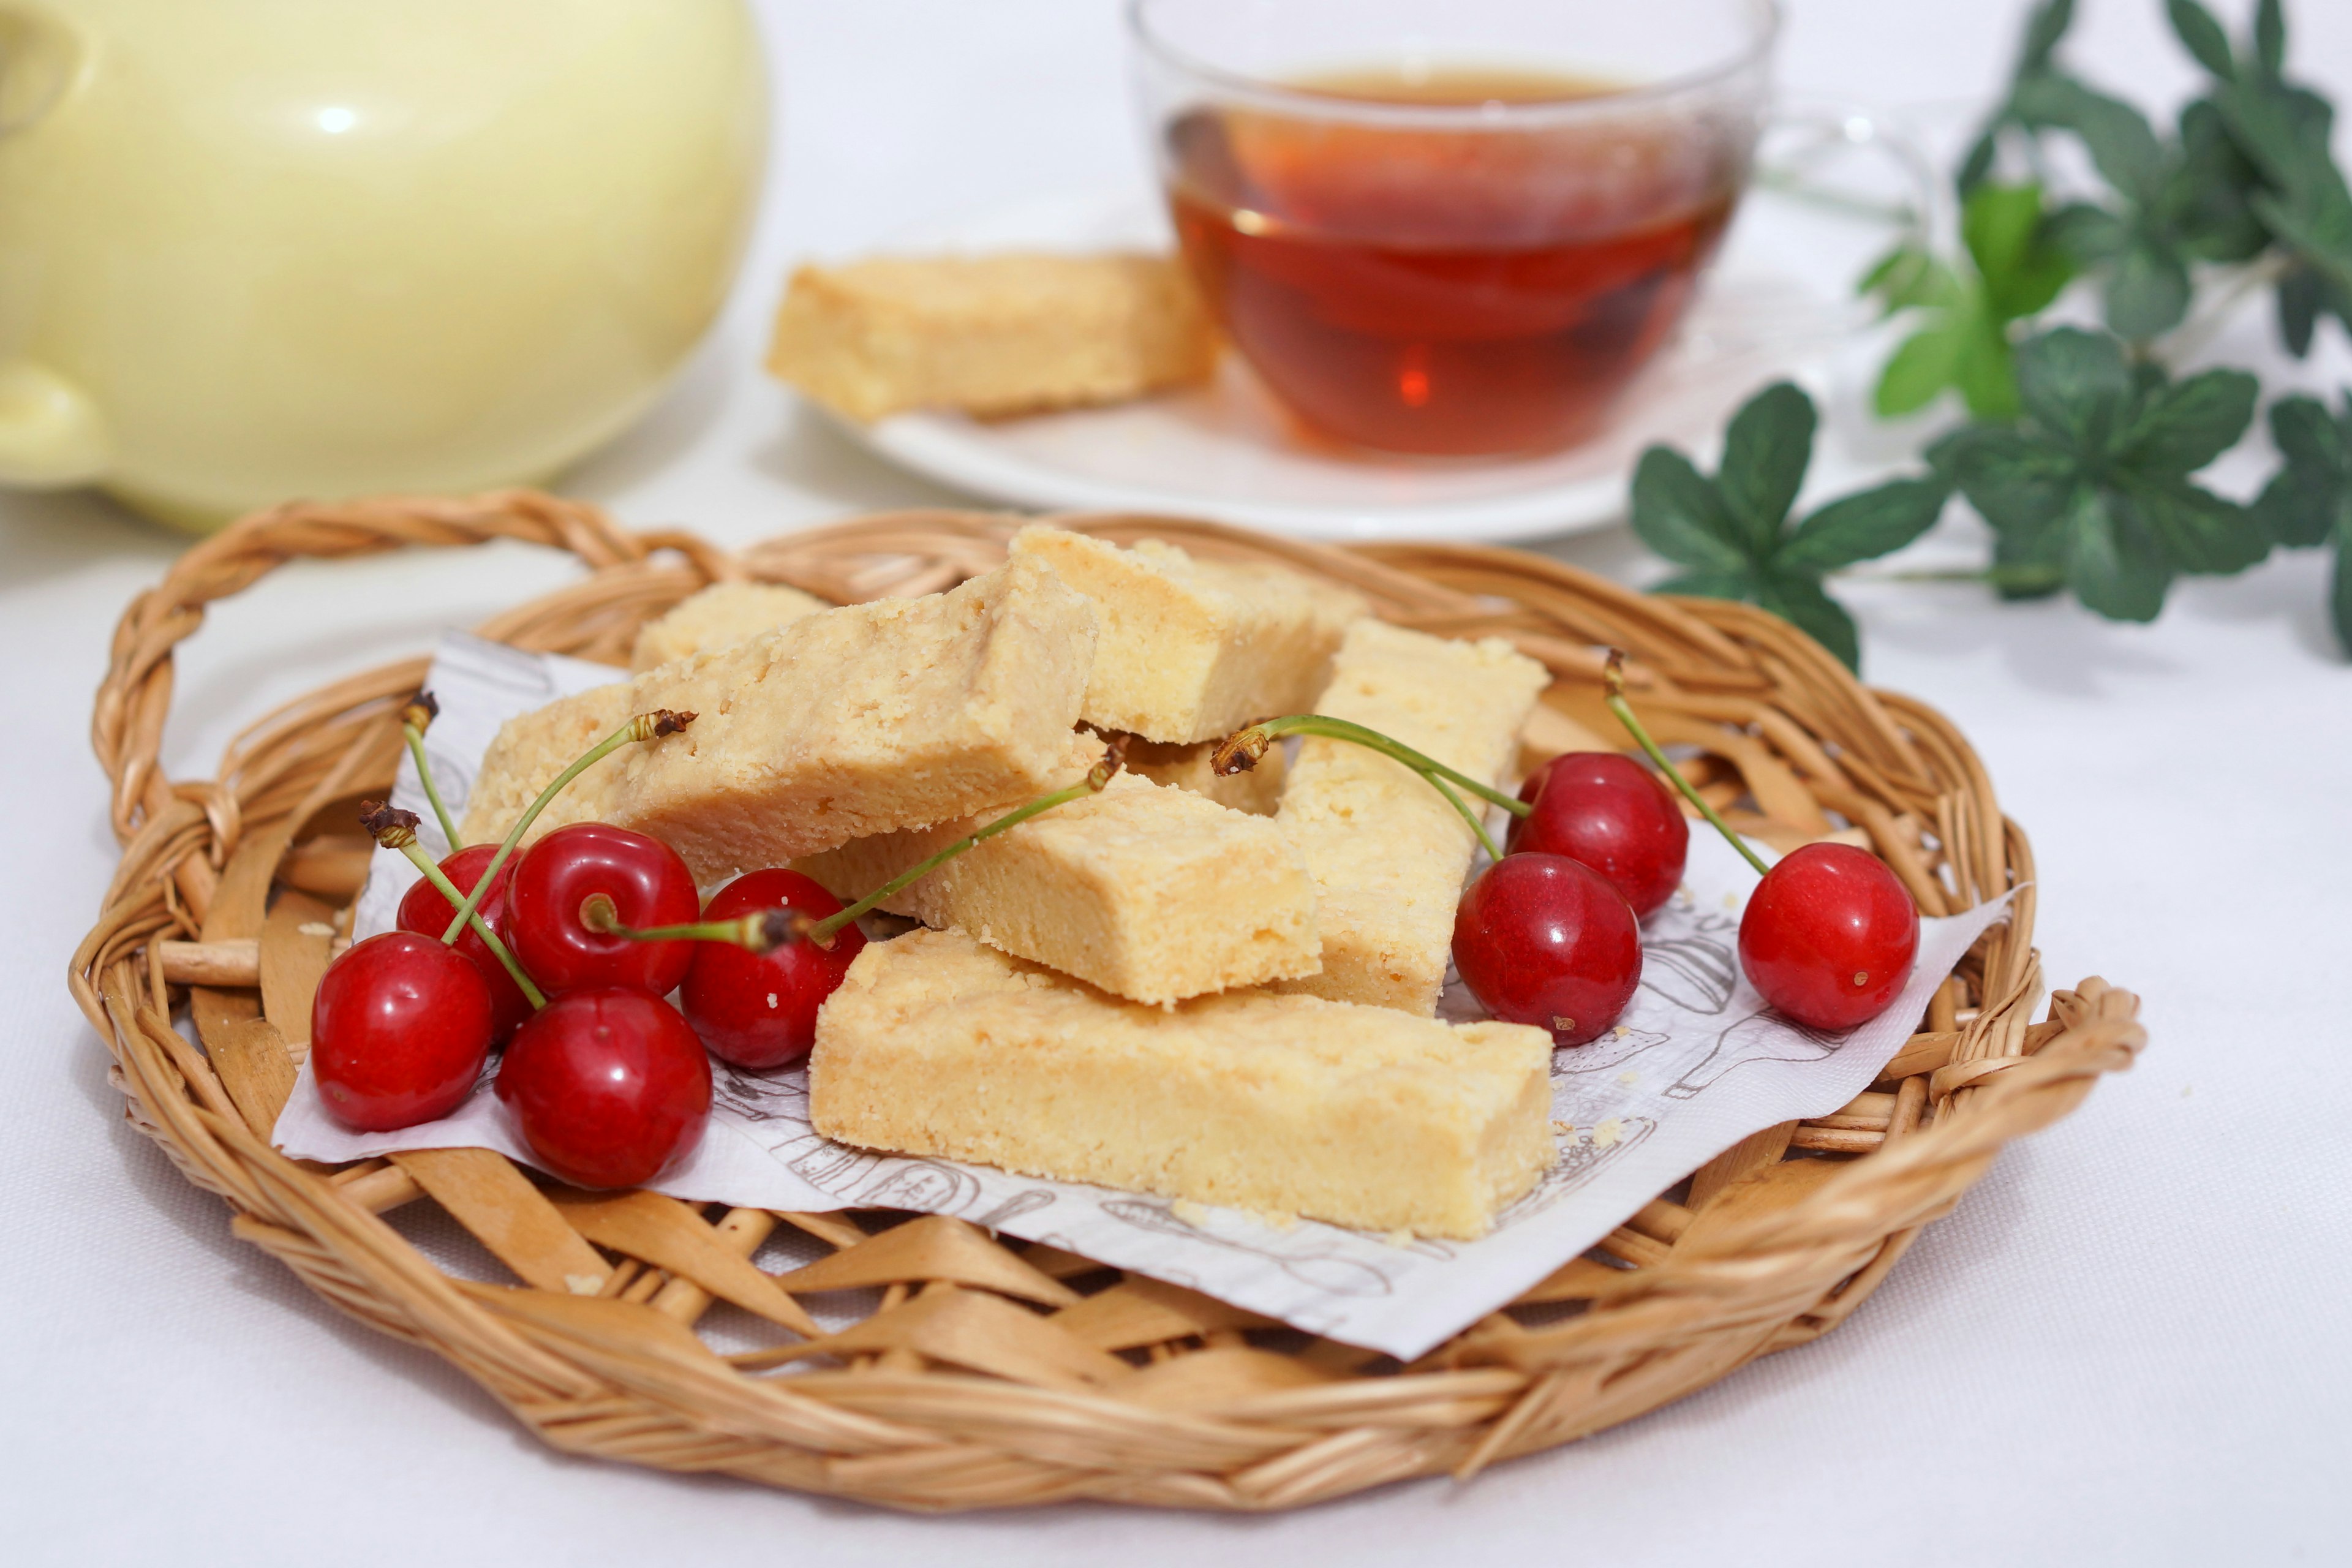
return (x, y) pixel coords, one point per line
(759, 1009)
(1545, 940)
(1612, 813)
(400, 1027)
(645, 880)
(607, 1087)
(424, 911)
(1829, 936)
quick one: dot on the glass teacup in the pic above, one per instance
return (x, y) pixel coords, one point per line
(1455, 227)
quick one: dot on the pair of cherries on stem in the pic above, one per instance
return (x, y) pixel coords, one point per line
(1830, 934)
(1549, 933)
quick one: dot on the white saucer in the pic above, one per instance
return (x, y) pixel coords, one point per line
(1226, 451)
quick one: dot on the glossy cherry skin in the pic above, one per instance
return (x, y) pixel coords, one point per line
(607, 1087)
(1547, 940)
(758, 1010)
(400, 1027)
(1829, 936)
(424, 911)
(1612, 813)
(648, 884)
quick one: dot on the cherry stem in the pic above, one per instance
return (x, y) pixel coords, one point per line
(396, 829)
(415, 719)
(759, 931)
(644, 727)
(1613, 676)
(1240, 752)
(822, 932)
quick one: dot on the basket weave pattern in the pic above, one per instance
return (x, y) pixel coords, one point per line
(994, 1373)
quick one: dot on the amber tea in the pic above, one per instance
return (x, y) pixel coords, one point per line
(1454, 287)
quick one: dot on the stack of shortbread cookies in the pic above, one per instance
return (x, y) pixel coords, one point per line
(1220, 990)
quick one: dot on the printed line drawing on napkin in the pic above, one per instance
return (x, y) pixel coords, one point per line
(1620, 1045)
(1762, 1037)
(1322, 1266)
(1697, 972)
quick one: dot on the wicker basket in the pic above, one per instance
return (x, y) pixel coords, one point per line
(991, 1373)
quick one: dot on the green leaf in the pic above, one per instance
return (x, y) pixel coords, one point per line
(2196, 529)
(2075, 384)
(1926, 364)
(2319, 230)
(1907, 278)
(1862, 527)
(2270, 38)
(2147, 293)
(1799, 600)
(2090, 234)
(2019, 484)
(1681, 516)
(1996, 225)
(2118, 136)
(2310, 498)
(1986, 372)
(1765, 453)
(2205, 200)
(2307, 436)
(2301, 297)
(2201, 35)
(2186, 424)
(2043, 31)
(2003, 229)
(2115, 566)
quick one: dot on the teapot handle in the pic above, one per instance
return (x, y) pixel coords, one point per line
(51, 434)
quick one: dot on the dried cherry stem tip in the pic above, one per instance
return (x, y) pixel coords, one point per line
(822, 932)
(1613, 676)
(396, 829)
(644, 727)
(759, 931)
(417, 716)
(1240, 752)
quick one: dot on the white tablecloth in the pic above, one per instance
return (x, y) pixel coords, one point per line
(2129, 1345)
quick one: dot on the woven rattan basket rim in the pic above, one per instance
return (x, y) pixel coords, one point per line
(958, 1392)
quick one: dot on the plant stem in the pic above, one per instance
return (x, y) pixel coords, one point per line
(415, 738)
(1239, 752)
(2214, 312)
(822, 932)
(1614, 675)
(644, 727)
(2028, 578)
(1485, 841)
(759, 931)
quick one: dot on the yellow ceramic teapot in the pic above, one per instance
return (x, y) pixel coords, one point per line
(255, 250)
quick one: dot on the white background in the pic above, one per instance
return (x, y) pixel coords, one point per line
(2129, 1345)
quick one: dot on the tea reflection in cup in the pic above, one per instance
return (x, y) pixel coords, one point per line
(1456, 228)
